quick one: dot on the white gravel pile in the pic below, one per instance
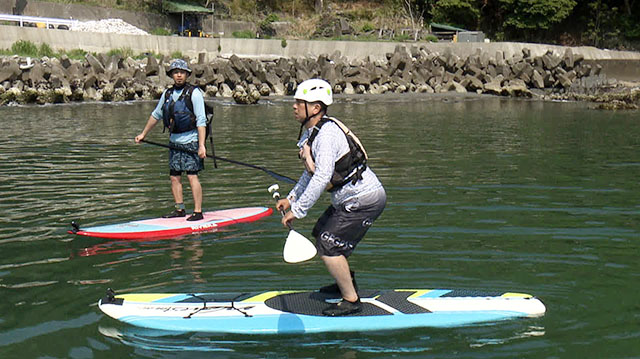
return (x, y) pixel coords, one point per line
(116, 26)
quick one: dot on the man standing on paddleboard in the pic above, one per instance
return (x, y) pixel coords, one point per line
(181, 109)
(336, 161)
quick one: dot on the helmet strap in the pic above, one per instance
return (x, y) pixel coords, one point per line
(306, 119)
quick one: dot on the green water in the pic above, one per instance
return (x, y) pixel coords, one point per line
(483, 193)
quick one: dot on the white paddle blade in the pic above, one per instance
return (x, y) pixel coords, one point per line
(297, 248)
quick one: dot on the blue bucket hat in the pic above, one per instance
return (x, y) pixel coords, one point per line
(178, 65)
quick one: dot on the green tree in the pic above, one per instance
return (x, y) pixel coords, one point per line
(601, 21)
(460, 13)
(416, 11)
(631, 19)
(526, 18)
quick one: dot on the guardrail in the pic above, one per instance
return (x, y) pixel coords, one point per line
(46, 21)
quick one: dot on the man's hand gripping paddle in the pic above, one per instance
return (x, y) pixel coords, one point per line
(297, 248)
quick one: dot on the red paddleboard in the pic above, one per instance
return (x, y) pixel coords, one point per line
(171, 227)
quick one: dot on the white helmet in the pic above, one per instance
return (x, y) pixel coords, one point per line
(314, 90)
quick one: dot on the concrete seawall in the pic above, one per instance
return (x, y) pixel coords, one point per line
(621, 65)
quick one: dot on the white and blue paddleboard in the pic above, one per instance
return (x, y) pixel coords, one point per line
(172, 227)
(281, 312)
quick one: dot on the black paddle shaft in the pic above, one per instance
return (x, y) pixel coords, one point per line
(276, 196)
(214, 157)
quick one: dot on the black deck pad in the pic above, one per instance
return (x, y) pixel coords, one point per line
(398, 300)
(313, 303)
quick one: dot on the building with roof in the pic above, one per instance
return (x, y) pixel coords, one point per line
(191, 17)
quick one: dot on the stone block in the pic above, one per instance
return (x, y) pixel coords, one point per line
(537, 80)
(95, 65)
(65, 61)
(568, 58)
(10, 71)
(551, 61)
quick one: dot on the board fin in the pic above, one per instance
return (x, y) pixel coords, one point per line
(110, 298)
(75, 227)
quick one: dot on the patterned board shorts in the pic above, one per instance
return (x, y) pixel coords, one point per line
(339, 230)
(180, 161)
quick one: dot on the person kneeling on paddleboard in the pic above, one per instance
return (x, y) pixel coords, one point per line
(181, 109)
(334, 160)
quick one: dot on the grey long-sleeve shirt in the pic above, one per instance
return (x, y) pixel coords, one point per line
(329, 146)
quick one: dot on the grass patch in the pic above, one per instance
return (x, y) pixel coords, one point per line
(27, 48)
(161, 31)
(46, 50)
(431, 38)
(402, 38)
(123, 51)
(367, 27)
(244, 34)
(153, 54)
(75, 54)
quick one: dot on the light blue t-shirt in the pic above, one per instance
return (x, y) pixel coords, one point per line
(198, 109)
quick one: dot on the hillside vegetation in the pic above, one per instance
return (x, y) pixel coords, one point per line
(602, 23)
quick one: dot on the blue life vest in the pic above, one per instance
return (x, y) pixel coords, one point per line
(178, 115)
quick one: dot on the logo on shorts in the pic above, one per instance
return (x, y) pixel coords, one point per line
(334, 241)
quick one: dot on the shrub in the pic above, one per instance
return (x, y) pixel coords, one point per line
(431, 38)
(45, 50)
(244, 34)
(367, 14)
(24, 48)
(402, 37)
(271, 18)
(161, 31)
(123, 51)
(367, 26)
(266, 29)
(76, 54)
(157, 56)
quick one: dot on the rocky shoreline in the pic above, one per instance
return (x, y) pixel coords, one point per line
(407, 70)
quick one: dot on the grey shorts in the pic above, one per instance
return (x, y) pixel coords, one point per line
(180, 161)
(339, 230)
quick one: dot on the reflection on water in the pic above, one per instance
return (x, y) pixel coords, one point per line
(533, 331)
(343, 345)
(483, 193)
